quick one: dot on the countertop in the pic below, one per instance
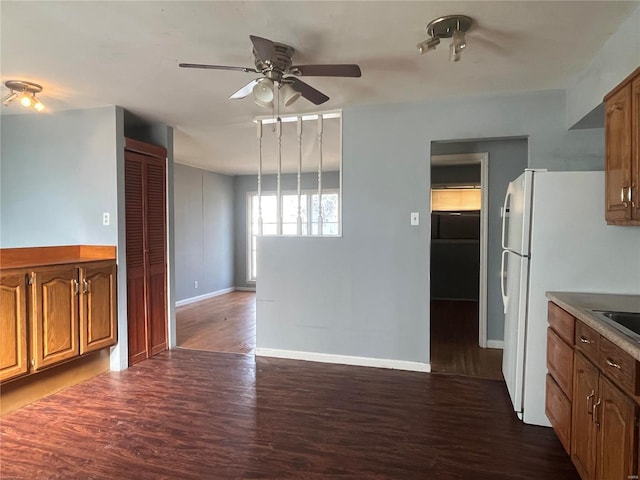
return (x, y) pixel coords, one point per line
(580, 305)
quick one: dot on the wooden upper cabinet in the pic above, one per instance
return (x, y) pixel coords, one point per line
(97, 306)
(622, 110)
(54, 315)
(618, 154)
(616, 421)
(635, 154)
(13, 325)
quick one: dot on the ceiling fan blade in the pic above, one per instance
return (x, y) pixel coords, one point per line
(307, 91)
(263, 47)
(246, 90)
(217, 67)
(350, 70)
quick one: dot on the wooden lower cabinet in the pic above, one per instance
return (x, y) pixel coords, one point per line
(603, 426)
(583, 430)
(97, 306)
(54, 315)
(616, 420)
(13, 325)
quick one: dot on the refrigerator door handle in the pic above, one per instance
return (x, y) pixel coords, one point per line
(503, 277)
(504, 216)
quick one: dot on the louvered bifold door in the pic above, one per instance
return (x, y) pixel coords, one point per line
(156, 255)
(136, 284)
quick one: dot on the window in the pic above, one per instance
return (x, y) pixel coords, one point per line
(308, 203)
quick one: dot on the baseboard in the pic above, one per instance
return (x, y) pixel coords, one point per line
(495, 344)
(344, 359)
(245, 289)
(199, 298)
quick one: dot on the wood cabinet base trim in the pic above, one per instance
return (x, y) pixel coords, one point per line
(22, 391)
(32, 256)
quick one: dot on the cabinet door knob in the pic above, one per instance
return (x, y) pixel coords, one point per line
(595, 412)
(584, 340)
(622, 195)
(590, 402)
(76, 287)
(614, 107)
(85, 286)
(630, 194)
(613, 364)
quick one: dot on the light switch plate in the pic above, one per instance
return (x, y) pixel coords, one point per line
(415, 218)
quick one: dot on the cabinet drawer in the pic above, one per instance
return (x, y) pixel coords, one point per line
(618, 365)
(587, 341)
(560, 362)
(558, 411)
(562, 322)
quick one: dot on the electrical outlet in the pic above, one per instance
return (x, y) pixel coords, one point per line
(105, 218)
(195, 284)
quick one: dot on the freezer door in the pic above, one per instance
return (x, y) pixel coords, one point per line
(516, 214)
(516, 272)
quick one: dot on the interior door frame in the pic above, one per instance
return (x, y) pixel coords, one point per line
(483, 160)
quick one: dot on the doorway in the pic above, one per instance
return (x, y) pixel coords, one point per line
(458, 267)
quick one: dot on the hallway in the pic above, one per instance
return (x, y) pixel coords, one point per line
(226, 323)
(454, 342)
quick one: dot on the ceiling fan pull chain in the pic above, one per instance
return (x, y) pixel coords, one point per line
(259, 133)
(299, 130)
(320, 219)
(279, 185)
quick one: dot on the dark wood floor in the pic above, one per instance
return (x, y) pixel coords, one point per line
(454, 342)
(226, 323)
(190, 414)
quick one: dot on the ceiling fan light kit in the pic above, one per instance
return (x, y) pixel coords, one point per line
(449, 26)
(25, 92)
(263, 92)
(275, 62)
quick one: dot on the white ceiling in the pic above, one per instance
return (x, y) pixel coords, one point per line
(90, 54)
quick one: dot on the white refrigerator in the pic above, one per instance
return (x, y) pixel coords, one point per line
(554, 238)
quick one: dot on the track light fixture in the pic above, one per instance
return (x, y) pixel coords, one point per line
(25, 92)
(450, 26)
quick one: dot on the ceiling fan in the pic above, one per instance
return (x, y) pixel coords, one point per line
(274, 61)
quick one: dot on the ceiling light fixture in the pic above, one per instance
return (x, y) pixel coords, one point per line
(449, 26)
(26, 92)
(263, 92)
(289, 94)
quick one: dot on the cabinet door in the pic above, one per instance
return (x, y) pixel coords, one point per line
(97, 306)
(54, 315)
(13, 325)
(618, 155)
(635, 141)
(583, 429)
(615, 415)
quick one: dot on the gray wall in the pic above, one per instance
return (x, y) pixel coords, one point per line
(507, 160)
(243, 184)
(619, 56)
(60, 172)
(58, 176)
(204, 231)
(367, 293)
